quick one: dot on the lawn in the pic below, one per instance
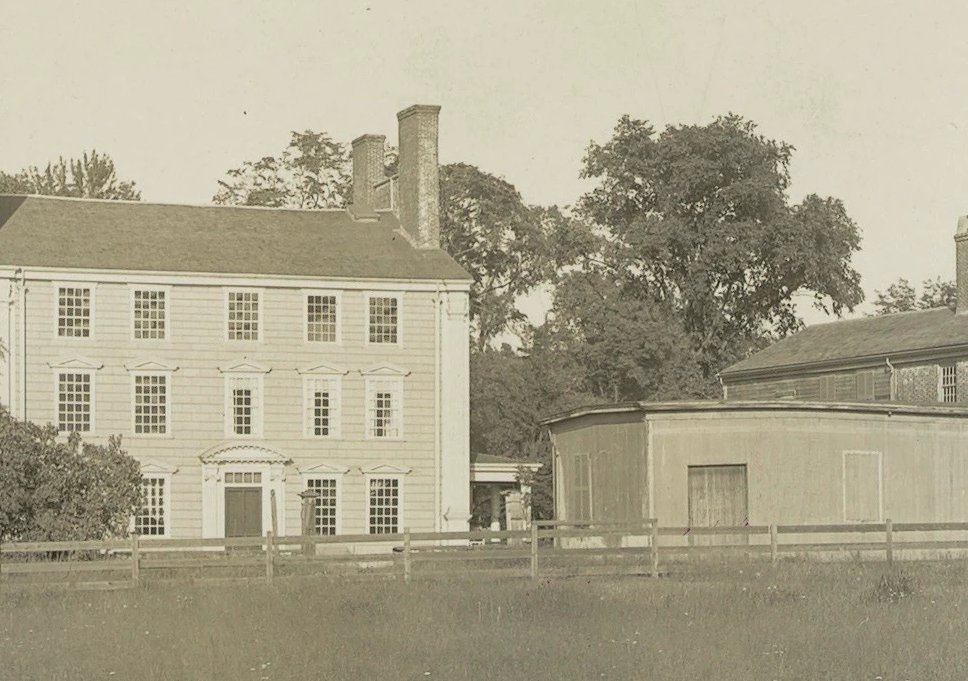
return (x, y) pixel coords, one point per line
(744, 622)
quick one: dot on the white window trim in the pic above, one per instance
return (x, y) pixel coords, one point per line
(58, 285)
(336, 406)
(328, 471)
(135, 373)
(76, 365)
(258, 418)
(880, 483)
(151, 469)
(225, 314)
(941, 368)
(398, 409)
(339, 316)
(366, 318)
(385, 471)
(162, 289)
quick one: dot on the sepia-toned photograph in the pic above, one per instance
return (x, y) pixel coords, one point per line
(548, 340)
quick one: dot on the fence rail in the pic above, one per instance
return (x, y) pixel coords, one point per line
(558, 548)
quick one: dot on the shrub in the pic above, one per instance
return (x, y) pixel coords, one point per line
(53, 489)
(893, 587)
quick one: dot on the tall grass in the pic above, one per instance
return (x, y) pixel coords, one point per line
(748, 622)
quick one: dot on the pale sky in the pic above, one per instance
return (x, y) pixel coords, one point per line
(872, 94)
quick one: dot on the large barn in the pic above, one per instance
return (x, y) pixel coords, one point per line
(786, 462)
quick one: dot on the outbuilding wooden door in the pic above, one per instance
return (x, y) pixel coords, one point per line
(243, 511)
(717, 498)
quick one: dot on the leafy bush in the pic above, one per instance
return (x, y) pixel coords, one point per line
(53, 489)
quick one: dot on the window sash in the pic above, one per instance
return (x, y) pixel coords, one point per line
(75, 396)
(383, 320)
(949, 383)
(149, 314)
(322, 318)
(243, 315)
(244, 405)
(74, 311)
(150, 404)
(326, 505)
(322, 408)
(151, 519)
(383, 512)
(384, 409)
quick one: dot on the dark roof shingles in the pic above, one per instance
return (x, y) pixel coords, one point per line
(849, 339)
(84, 234)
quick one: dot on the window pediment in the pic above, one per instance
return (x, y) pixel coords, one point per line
(323, 368)
(386, 469)
(385, 369)
(149, 365)
(325, 468)
(76, 363)
(157, 468)
(244, 366)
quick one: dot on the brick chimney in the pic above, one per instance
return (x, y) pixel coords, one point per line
(368, 171)
(418, 175)
(961, 265)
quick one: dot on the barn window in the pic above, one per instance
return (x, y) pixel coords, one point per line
(862, 487)
(581, 486)
(865, 385)
(828, 388)
(949, 383)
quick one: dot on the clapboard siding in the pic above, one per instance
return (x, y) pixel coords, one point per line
(197, 347)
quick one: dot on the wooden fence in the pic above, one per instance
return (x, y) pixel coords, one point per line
(547, 549)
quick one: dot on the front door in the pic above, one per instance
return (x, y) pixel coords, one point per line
(243, 511)
(717, 498)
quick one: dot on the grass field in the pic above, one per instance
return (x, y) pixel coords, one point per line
(744, 622)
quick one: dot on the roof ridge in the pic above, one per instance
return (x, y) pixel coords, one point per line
(129, 202)
(869, 318)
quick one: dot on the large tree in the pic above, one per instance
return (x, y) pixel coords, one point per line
(56, 490)
(901, 296)
(92, 176)
(696, 220)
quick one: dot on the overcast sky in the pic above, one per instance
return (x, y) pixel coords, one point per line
(873, 95)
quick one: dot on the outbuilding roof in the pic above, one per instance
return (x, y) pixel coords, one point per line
(892, 336)
(41, 231)
(886, 408)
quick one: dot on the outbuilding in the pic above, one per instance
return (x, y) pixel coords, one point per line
(724, 463)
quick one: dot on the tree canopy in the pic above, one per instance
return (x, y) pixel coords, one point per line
(52, 490)
(696, 221)
(901, 296)
(92, 176)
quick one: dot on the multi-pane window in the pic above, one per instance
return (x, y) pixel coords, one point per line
(74, 398)
(243, 478)
(384, 506)
(949, 383)
(150, 404)
(150, 308)
(383, 319)
(151, 519)
(326, 507)
(244, 406)
(74, 311)
(243, 315)
(384, 408)
(322, 406)
(321, 318)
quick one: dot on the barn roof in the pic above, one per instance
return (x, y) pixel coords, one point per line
(868, 339)
(645, 408)
(67, 233)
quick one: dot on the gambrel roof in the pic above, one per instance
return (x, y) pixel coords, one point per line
(41, 231)
(904, 336)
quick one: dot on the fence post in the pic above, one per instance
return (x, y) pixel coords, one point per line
(773, 544)
(406, 555)
(655, 547)
(135, 559)
(270, 566)
(890, 541)
(534, 550)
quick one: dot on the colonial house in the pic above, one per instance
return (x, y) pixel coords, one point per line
(912, 357)
(248, 354)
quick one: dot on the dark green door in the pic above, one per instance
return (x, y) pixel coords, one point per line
(243, 511)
